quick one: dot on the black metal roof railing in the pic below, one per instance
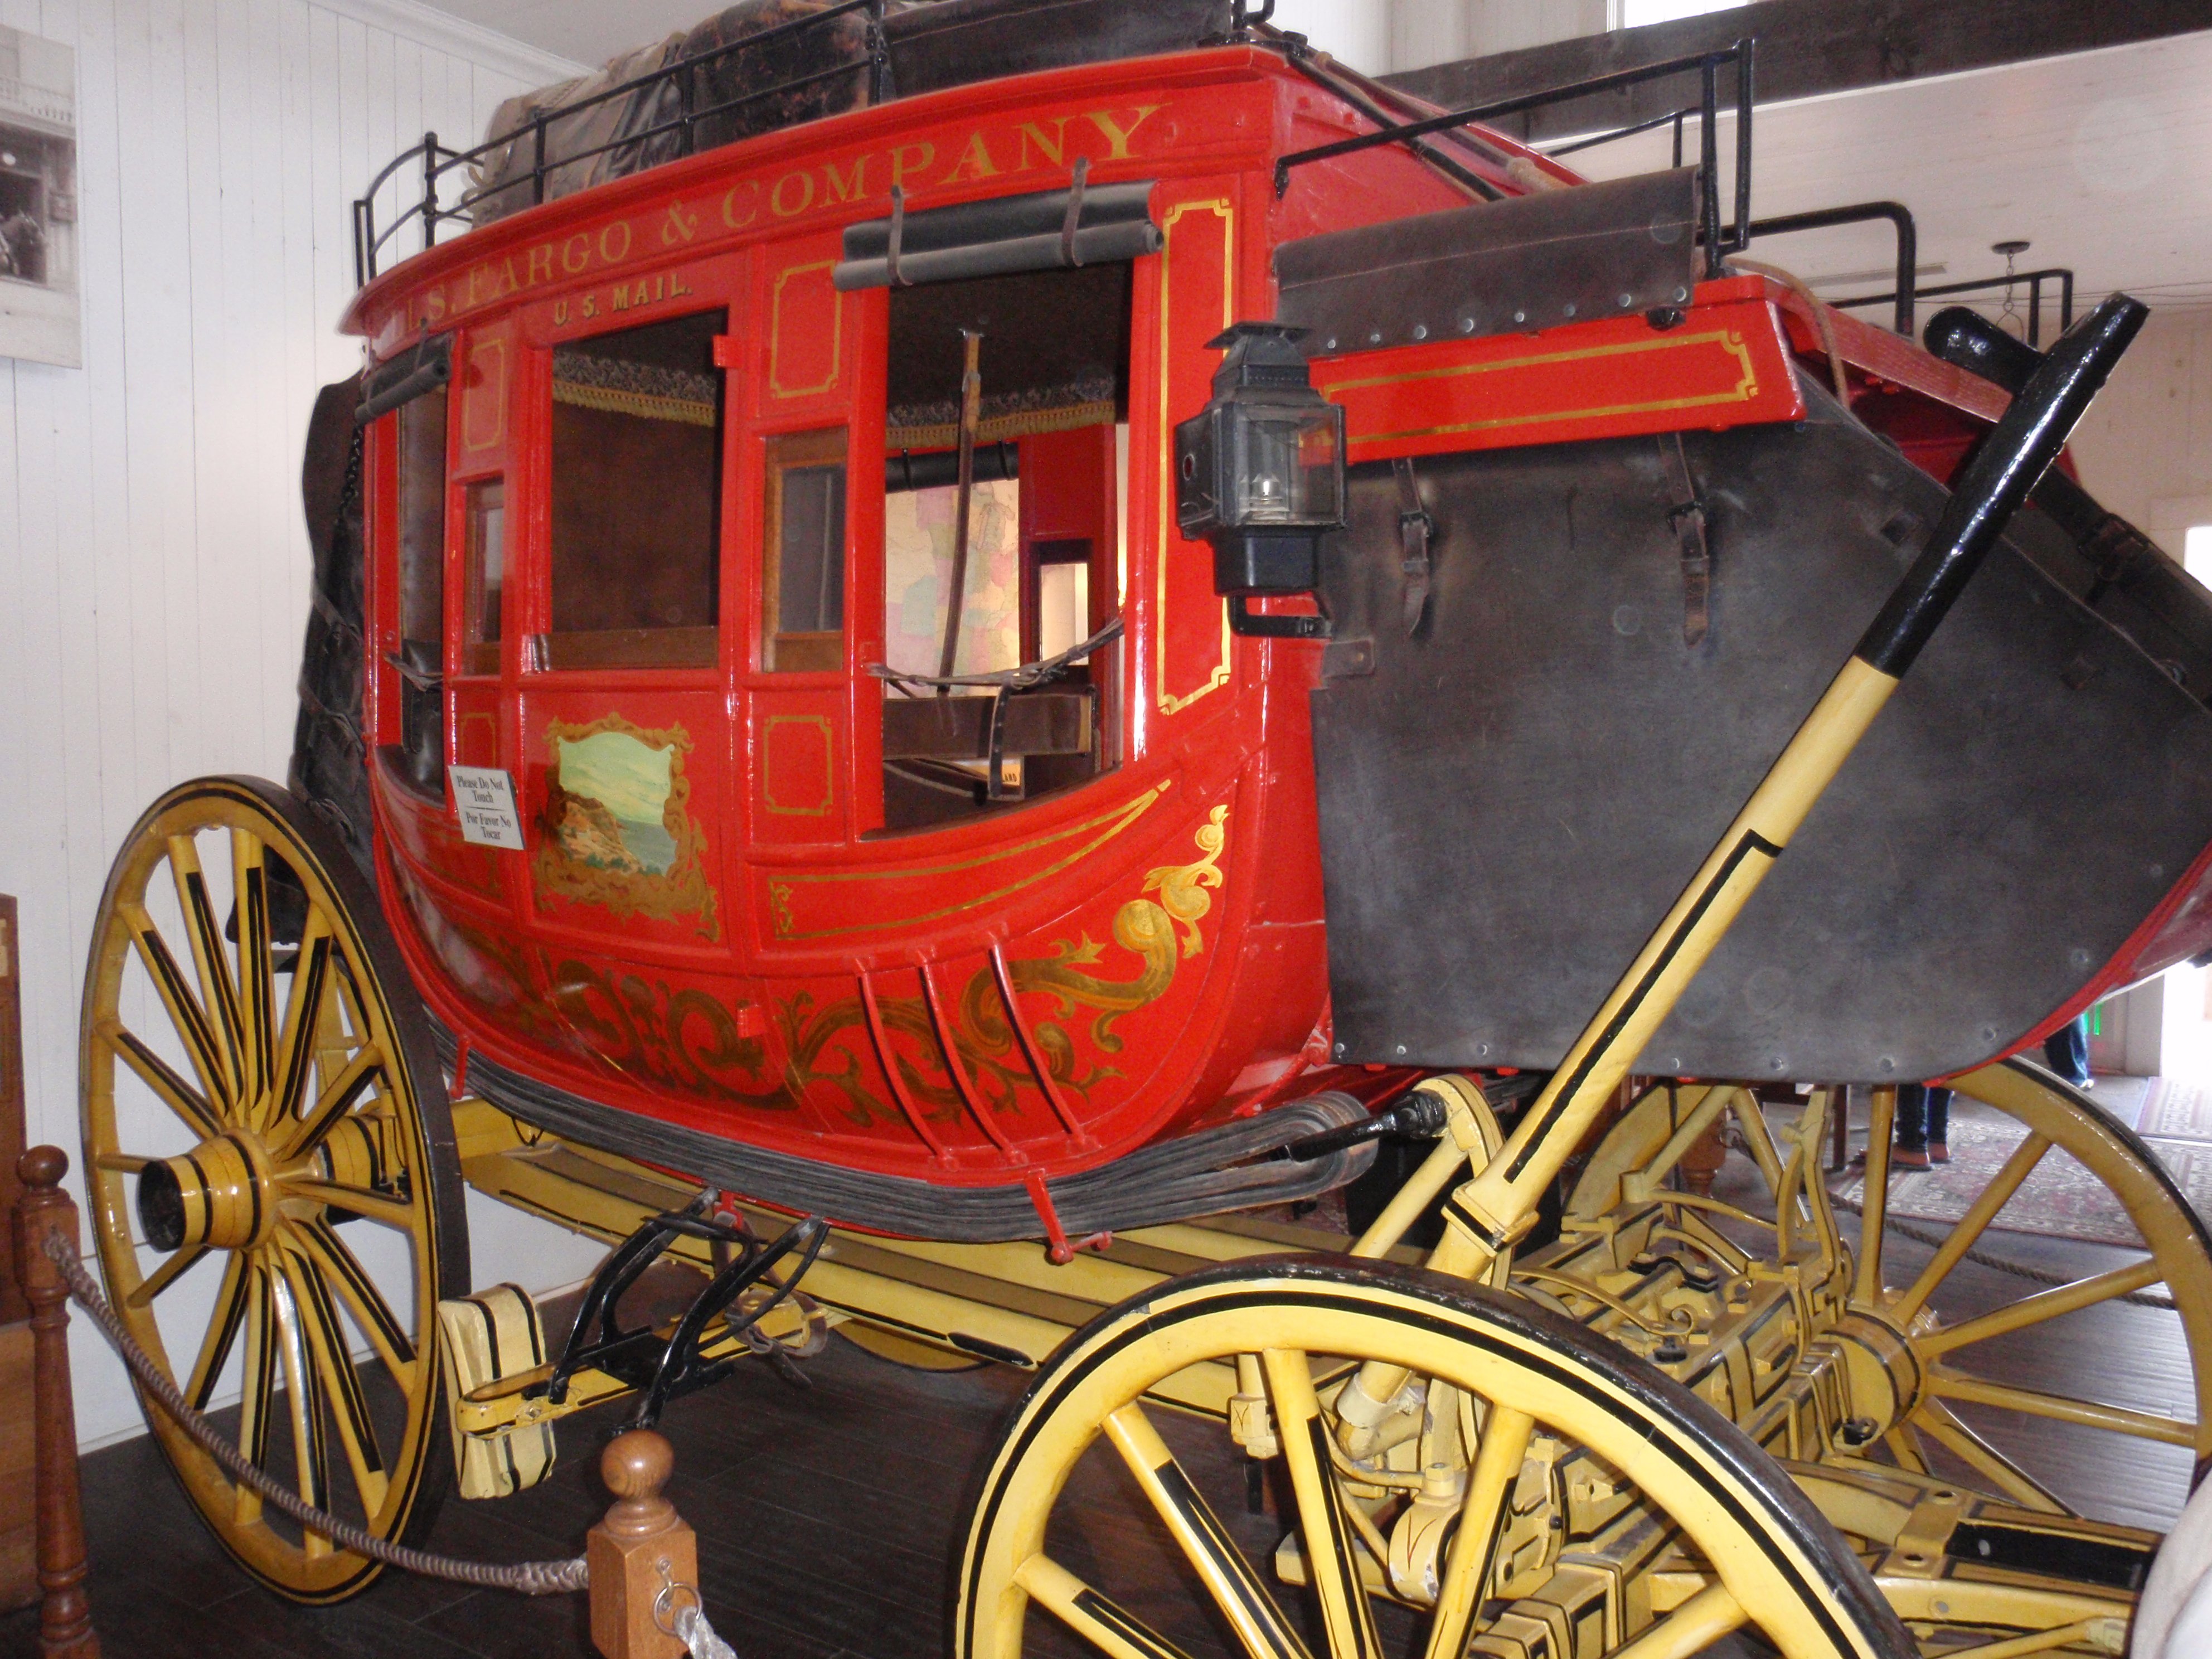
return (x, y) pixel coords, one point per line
(1706, 66)
(2033, 280)
(437, 163)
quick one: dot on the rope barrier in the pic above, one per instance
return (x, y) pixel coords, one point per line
(525, 1578)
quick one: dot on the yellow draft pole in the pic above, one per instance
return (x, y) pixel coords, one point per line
(1498, 1205)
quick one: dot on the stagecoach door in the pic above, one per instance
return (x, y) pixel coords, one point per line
(621, 758)
(797, 654)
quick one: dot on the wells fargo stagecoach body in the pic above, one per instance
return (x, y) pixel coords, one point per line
(1182, 852)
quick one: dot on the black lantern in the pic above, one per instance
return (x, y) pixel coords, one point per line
(1259, 469)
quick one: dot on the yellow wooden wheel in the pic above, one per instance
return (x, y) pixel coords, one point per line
(1960, 1401)
(260, 1094)
(1586, 1505)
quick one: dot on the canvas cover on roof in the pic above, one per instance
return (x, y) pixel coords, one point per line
(795, 74)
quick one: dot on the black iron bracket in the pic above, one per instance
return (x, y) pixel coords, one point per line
(1242, 620)
(665, 1368)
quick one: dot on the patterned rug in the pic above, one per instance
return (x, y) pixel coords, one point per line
(2061, 1200)
(2175, 1108)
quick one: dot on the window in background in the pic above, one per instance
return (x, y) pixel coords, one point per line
(1635, 13)
(2196, 552)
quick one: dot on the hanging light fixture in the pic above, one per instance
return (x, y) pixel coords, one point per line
(2009, 318)
(1259, 469)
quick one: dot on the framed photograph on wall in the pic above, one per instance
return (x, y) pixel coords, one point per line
(39, 289)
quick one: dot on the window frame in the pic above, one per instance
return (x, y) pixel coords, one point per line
(783, 452)
(547, 651)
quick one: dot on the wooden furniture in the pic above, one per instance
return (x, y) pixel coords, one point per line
(644, 1556)
(65, 1629)
(19, 1566)
(13, 1307)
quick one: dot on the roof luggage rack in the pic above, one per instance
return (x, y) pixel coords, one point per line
(679, 108)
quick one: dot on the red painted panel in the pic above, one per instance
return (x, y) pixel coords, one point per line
(1202, 222)
(483, 378)
(797, 766)
(809, 330)
(1724, 365)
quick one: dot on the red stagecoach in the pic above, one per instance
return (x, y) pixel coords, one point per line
(1001, 621)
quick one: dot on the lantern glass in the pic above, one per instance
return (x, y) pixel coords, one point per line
(1284, 469)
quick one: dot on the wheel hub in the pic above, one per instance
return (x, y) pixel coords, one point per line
(221, 1196)
(1881, 1370)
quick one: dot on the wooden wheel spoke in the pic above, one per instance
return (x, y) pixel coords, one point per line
(327, 1351)
(1690, 1629)
(375, 1206)
(2043, 1305)
(1938, 1422)
(1971, 1225)
(202, 1045)
(119, 1163)
(218, 989)
(179, 1097)
(345, 1274)
(257, 1399)
(1906, 1450)
(1236, 1590)
(1759, 1137)
(337, 1099)
(1332, 1549)
(179, 1264)
(233, 1302)
(256, 974)
(2063, 1409)
(296, 1045)
(1472, 1557)
(1874, 1211)
(303, 1396)
(1099, 1621)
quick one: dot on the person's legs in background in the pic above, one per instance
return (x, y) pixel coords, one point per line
(2066, 1051)
(1911, 1151)
(1937, 1123)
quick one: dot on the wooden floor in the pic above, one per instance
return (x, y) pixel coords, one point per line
(828, 1516)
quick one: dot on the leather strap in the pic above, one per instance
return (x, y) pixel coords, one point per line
(898, 232)
(1073, 220)
(2116, 549)
(1686, 516)
(1415, 527)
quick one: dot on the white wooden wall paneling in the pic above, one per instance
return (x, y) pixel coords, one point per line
(154, 568)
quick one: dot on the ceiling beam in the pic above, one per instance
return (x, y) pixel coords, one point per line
(1805, 47)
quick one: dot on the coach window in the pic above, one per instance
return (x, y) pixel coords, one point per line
(636, 471)
(804, 582)
(1037, 575)
(483, 567)
(421, 658)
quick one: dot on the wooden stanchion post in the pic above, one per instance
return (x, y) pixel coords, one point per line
(644, 1560)
(65, 1619)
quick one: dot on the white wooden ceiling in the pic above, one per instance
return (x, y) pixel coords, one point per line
(589, 31)
(2101, 160)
